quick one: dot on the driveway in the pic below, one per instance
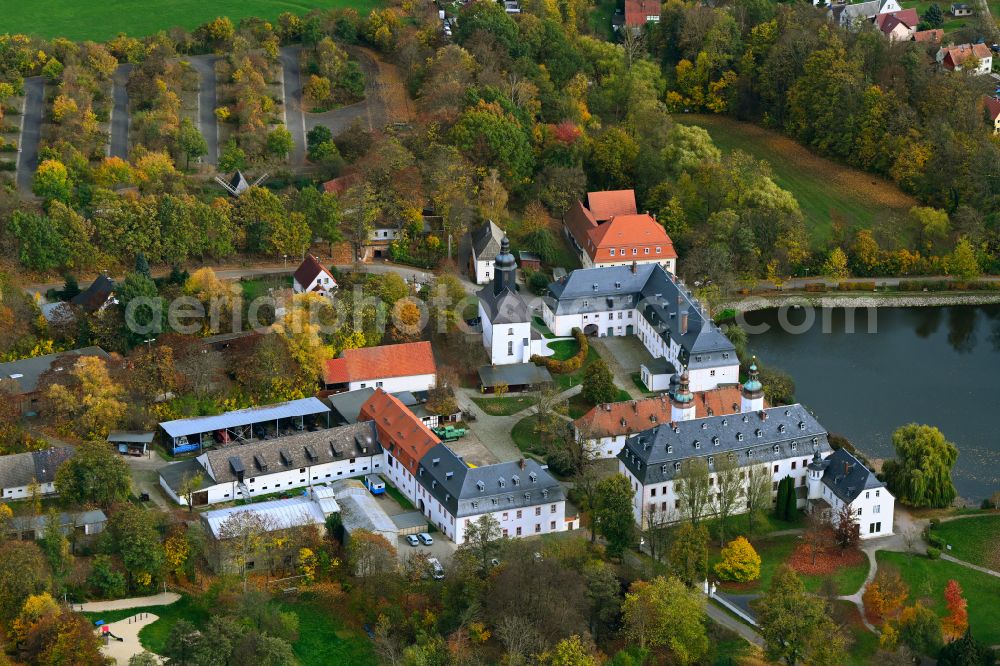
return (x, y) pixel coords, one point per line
(292, 93)
(118, 147)
(31, 131)
(207, 123)
(623, 356)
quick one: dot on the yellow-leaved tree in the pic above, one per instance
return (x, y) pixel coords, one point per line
(740, 562)
(300, 328)
(89, 404)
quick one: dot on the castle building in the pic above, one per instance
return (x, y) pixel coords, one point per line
(842, 480)
(646, 301)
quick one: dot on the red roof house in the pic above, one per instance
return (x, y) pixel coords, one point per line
(404, 367)
(312, 276)
(931, 36)
(640, 12)
(400, 432)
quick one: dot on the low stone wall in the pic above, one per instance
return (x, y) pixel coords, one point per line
(855, 300)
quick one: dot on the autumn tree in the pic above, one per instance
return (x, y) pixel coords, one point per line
(740, 562)
(23, 572)
(89, 401)
(757, 493)
(886, 594)
(664, 614)
(483, 541)
(137, 541)
(796, 626)
(691, 485)
(568, 652)
(242, 536)
(836, 265)
(372, 559)
(689, 553)
(956, 622)
(846, 530)
(920, 475)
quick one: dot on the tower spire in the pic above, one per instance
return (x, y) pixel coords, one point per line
(752, 391)
(504, 268)
(681, 400)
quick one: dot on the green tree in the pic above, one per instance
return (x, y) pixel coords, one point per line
(920, 475)
(966, 651)
(568, 652)
(361, 209)
(691, 484)
(836, 265)
(190, 142)
(137, 295)
(483, 541)
(613, 515)
(491, 137)
(142, 265)
(796, 626)
(316, 137)
(934, 16)
(56, 546)
(781, 501)
(689, 553)
(613, 159)
(41, 244)
(52, 181)
(920, 628)
(23, 572)
(136, 539)
(664, 614)
(95, 474)
(280, 142)
(232, 158)
(291, 235)
(599, 384)
(105, 580)
(779, 387)
(963, 263)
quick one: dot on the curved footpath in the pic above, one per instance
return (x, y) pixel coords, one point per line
(162, 599)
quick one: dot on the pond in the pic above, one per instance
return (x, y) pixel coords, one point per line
(933, 365)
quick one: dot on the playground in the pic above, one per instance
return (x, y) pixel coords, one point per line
(121, 638)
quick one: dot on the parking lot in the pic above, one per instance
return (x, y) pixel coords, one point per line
(442, 548)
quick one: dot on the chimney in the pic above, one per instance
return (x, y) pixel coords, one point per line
(684, 323)
(635, 406)
(634, 266)
(521, 463)
(847, 468)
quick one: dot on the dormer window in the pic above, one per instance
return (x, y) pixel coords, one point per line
(527, 497)
(815, 441)
(697, 444)
(545, 492)
(794, 446)
(677, 467)
(480, 486)
(533, 477)
(759, 432)
(781, 427)
(749, 453)
(663, 469)
(775, 448)
(475, 505)
(501, 482)
(515, 480)
(802, 425)
(715, 441)
(670, 448)
(434, 484)
(711, 460)
(739, 437)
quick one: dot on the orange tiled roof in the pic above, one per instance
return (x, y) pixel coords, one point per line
(935, 35)
(992, 107)
(607, 204)
(630, 231)
(638, 415)
(957, 55)
(400, 432)
(404, 360)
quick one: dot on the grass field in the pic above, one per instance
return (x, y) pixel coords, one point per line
(927, 579)
(100, 20)
(505, 405)
(975, 540)
(822, 187)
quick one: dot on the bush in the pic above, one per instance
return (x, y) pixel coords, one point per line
(816, 286)
(856, 286)
(935, 541)
(933, 553)
(573, 363)
(935, 522)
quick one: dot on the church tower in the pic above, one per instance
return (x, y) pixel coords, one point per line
(816, 468)
(682, 401)
(505, 268)
(752, 392)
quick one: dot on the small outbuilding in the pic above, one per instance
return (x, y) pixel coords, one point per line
(516, 377)
(131, 442)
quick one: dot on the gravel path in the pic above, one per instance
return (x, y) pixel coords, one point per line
(128, 630)
(161, 599)
(207, 123)
(118, 146)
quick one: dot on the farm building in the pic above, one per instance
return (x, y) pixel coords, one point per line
(404, 367)
(28, 371)
(18, 472)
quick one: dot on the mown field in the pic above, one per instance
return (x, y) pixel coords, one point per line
(823, 188)
(975, 540)
(100, 20)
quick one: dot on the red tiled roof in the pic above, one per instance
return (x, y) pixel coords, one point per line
(308, 270)
(638, 415)
(631, 231)
(404, 360)
(605, 205)
(889, 25)
(907, 17)
(957, 55)
(400, 432)
(929, 35)
(636, 11)
(992, 107)
(341, 184)
(580, 223)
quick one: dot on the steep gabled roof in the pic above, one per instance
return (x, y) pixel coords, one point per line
(992, 105)
(486, 241)
(605, 205)
(96, 295)
(400, 432)
(309, 269)
(907, 17)
(402, 360)
(847, 477)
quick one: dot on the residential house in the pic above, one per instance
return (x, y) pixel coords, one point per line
(97, 296)
(505, 317)
(267, 466)
(841, 480)
(960, 9)
(856, 15)
(781, 440)
(959, 58)
(935, 36)
(408, 366)
(991, 105)
(485, 243)
(646, 301)
(609, 232)
(19, 472)
(898, 26)
(312, 277)
(27, 373)
(640, 12)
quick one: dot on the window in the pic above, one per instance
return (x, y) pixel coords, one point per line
(877, 508)
(506, 516)
(711, 373)
(775, 469)
(518, 532)
(552, 525)
(657, 249)
(859, 511)
(612, 251)
(538, 510)
(867, 495)
(876, 493)
(645, 250)
(519, 514)
(378, 384)
(611, 315)
(793, 464)
(552, 508)
(510, 331)
(538, 528)
(635, 251)
(363, 385)
(774, 486)
(677, 504)
(623, 252)
(510, 348)
(629, 314)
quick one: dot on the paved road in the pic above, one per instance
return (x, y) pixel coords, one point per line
(723, 618)
(27, 162)
(205, 66)
(162, 599)
(292, 91)
(118, 147)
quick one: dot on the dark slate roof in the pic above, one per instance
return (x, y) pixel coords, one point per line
(847, 477)
(347, 405)
(66, 521)
(96, 295)
(27, 371)
(486, 241)
(21, 468)
(659, 299)
(466, 491)
(507, 307)
(784, 432)
(325, 445)
(131, 437)
(515, 374)
(176, 473)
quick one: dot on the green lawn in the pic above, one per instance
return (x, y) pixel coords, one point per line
(927, 579)
(822, 187)
(259, 287)
(540, 326)
(100, 20)
(564, 349)
(154, 636)
(864, 644)
(571, 379)
(975, 540)
(505, 405)
(523, 434)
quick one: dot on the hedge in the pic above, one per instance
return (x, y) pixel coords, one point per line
(856, 286)
(815, 286)
(933, 553)
(573, 363)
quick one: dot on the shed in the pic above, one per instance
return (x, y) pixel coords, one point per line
(529, 261)
(360, 511)
(517, 377)
(131, 442)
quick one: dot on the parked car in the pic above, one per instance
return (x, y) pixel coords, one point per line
(437, 571)
(412, 540)
(425, 538)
